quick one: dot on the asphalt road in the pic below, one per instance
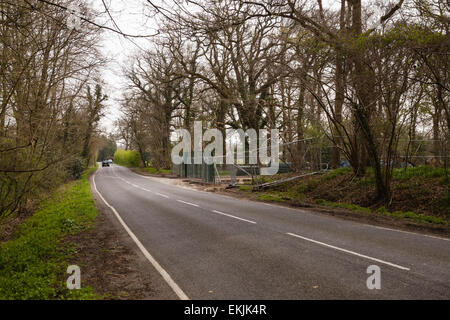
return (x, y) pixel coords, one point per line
(211, 246)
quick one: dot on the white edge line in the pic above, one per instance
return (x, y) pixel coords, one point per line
(350, 252)
(188, 203)
(231, 216)
(178, 291)
(408, 232)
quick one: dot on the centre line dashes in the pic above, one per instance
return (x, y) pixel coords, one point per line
(162, 195)
(188, 203)
(349, 251)
(231, 216)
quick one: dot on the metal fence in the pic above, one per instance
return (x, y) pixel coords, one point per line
(315, 157)
(204, 172)
(314, 153)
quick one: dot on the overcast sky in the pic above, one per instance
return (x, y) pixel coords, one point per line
(130, 18)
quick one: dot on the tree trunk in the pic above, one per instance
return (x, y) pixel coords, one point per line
(363, 81)
(339, 97)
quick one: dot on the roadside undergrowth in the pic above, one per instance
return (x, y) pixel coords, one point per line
(420, 194)
(33, 264)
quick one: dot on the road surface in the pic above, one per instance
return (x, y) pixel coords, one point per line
(210, 246)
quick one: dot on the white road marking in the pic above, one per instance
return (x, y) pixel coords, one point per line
(282, 207)
(188, 203)
(178, 291)
(356, 222)
(231, 216)
(414, 233)
(136, 186)
(348, 251)
(162, 195)
(144, 189)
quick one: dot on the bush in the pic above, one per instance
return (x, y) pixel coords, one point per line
(75, 168)
(127, 158)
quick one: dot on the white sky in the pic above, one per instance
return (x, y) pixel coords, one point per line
(129, 16)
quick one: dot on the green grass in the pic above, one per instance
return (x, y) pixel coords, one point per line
(33, 265)
(245, 188)
(412, 216)
(271, 197)
(155, 171)
(348, 206)
(421, 171)
(332, 174)
(383, 211)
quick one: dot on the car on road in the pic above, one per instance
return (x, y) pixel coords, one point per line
(105, 163)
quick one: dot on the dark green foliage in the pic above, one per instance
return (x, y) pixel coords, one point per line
(75, 168)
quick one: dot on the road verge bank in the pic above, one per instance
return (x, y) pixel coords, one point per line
(33, 264)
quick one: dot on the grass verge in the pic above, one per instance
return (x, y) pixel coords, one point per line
(33, 265)
(383, 211)
(152, 170)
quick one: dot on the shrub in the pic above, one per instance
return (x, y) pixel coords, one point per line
(75, 168)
